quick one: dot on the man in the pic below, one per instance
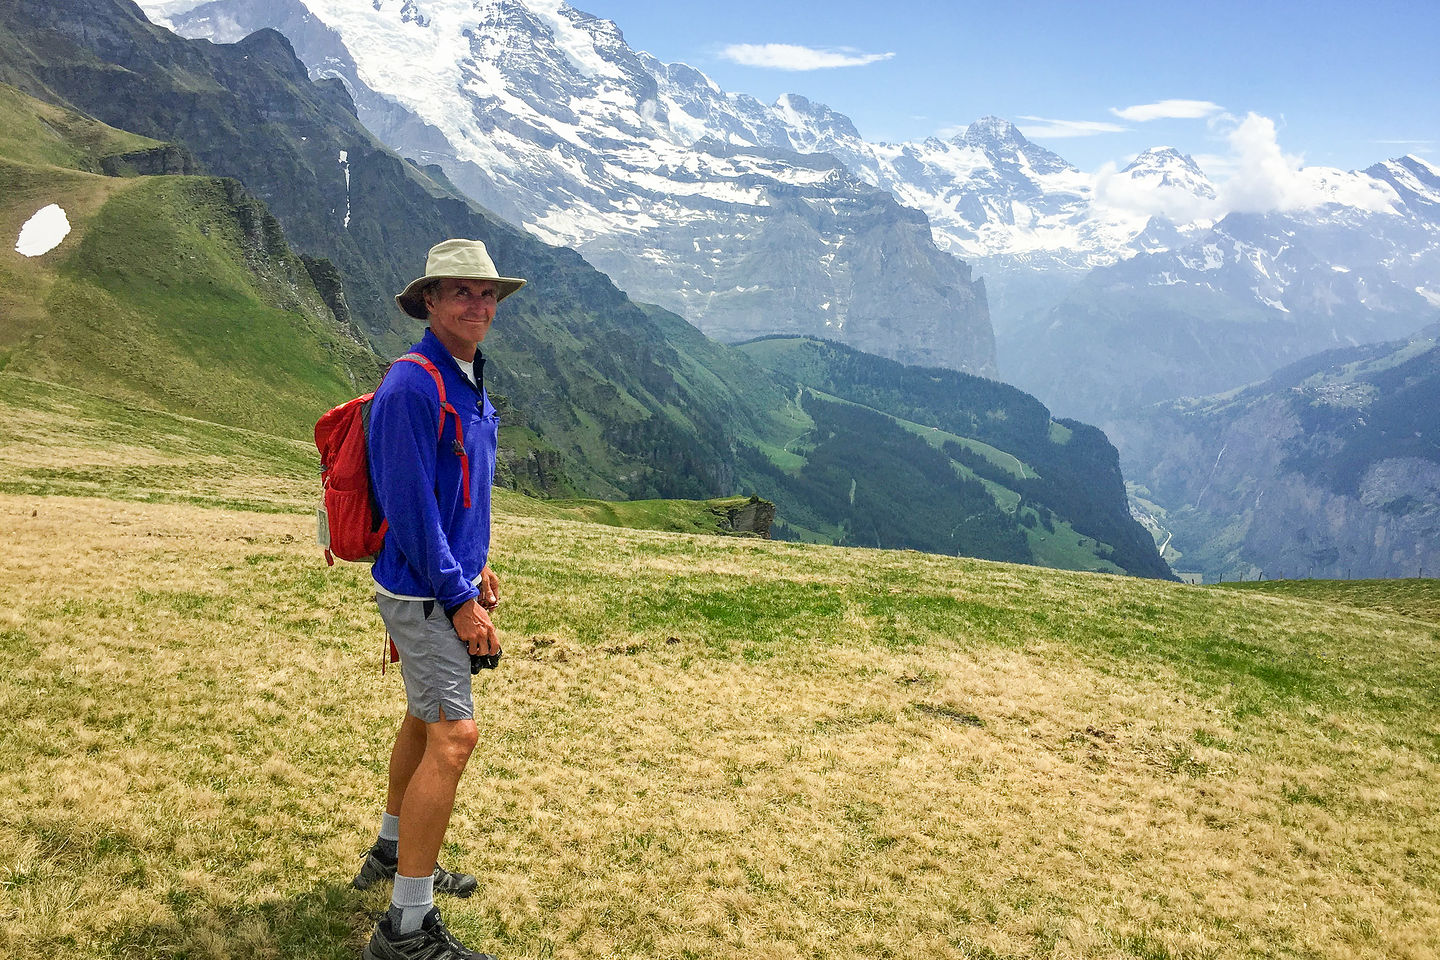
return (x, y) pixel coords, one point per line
(434, 585)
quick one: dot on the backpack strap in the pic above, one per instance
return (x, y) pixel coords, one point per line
(446, 407)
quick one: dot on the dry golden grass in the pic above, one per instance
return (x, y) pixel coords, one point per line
(699, 747)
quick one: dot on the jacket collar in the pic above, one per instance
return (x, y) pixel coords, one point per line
(441, 356)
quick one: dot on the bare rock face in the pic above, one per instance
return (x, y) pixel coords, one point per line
(170, 159)
(753, 516)
(716, 207)
(1329, 469)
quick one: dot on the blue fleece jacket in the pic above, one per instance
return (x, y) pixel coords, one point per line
(435, 547)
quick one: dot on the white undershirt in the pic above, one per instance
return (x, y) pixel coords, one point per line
(467, 368)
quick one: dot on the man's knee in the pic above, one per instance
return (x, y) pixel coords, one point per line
(452, 742)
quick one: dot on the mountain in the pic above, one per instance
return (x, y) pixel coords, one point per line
(750, 219)
(602, 409)
(1245, 297)
(709, 205)
(1058, 482)
(1329, 468)
(600, 395)
(177, 292)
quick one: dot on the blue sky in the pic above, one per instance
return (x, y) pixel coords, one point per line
(1346, 84)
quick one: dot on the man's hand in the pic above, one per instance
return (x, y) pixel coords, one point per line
(489, 588)
(472, 624)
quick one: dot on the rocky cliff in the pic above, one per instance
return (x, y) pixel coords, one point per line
(1330, 468)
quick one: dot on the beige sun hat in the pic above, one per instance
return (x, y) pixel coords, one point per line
(454, 260)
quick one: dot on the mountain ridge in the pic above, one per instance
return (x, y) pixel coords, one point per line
(1028, 222)
(689, 198)
(600, 395)
(1328, 468)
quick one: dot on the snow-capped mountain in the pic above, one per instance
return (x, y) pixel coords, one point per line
(687, 197)
(1230, 304)
(750, 218)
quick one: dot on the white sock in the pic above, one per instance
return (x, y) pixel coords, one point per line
(389, 827)
(411, 899)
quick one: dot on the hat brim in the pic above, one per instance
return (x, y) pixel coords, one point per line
(412, 298)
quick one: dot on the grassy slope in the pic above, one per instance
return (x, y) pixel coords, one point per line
(174, 292)
(56, 440)
(1418, 598)
(154, 297)
(1062, 548)
(675, 516)
(43, 134)
(696, 747)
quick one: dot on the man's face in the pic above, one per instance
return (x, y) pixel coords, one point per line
(461, 312)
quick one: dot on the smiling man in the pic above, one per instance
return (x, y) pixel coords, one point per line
(432, 463)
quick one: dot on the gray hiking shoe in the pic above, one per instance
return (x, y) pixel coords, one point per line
(377, 869)
(431, 942)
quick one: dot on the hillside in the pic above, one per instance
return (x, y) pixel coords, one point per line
(178, 292)
(1329, 468)
(1054, 486)
(589, 371)
(695, 746)
(600, 396)
(1416, 598)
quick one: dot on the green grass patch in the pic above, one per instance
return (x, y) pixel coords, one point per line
(714, 516)
(698, 745)
(1415, 597)
(35, 132)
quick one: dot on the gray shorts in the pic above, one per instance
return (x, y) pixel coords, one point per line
(433, 660)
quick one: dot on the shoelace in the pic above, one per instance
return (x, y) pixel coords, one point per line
(449, 939)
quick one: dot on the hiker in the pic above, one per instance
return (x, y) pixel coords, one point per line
(434, 585)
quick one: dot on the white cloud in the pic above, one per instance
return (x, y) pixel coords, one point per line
(1255, 175)
(1267, 179)
(1116, 190)
(790, 56)
(1043, 128)
(1168, 110)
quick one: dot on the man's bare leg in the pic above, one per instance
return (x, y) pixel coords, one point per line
(429, 795)
(425, 809)
(404, 758)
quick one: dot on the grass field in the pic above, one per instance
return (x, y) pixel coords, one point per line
(696, 746)
(1418, 598)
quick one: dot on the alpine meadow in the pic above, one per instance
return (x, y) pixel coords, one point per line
(820, 641)
(697, 745)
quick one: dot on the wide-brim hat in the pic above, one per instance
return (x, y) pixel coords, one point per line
(454, 260)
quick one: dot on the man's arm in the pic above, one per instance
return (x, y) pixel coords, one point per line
(402, 447)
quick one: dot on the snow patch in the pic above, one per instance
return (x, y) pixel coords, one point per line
(43, 232)
(345, 165)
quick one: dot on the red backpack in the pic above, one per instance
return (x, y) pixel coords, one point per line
(351, 526)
